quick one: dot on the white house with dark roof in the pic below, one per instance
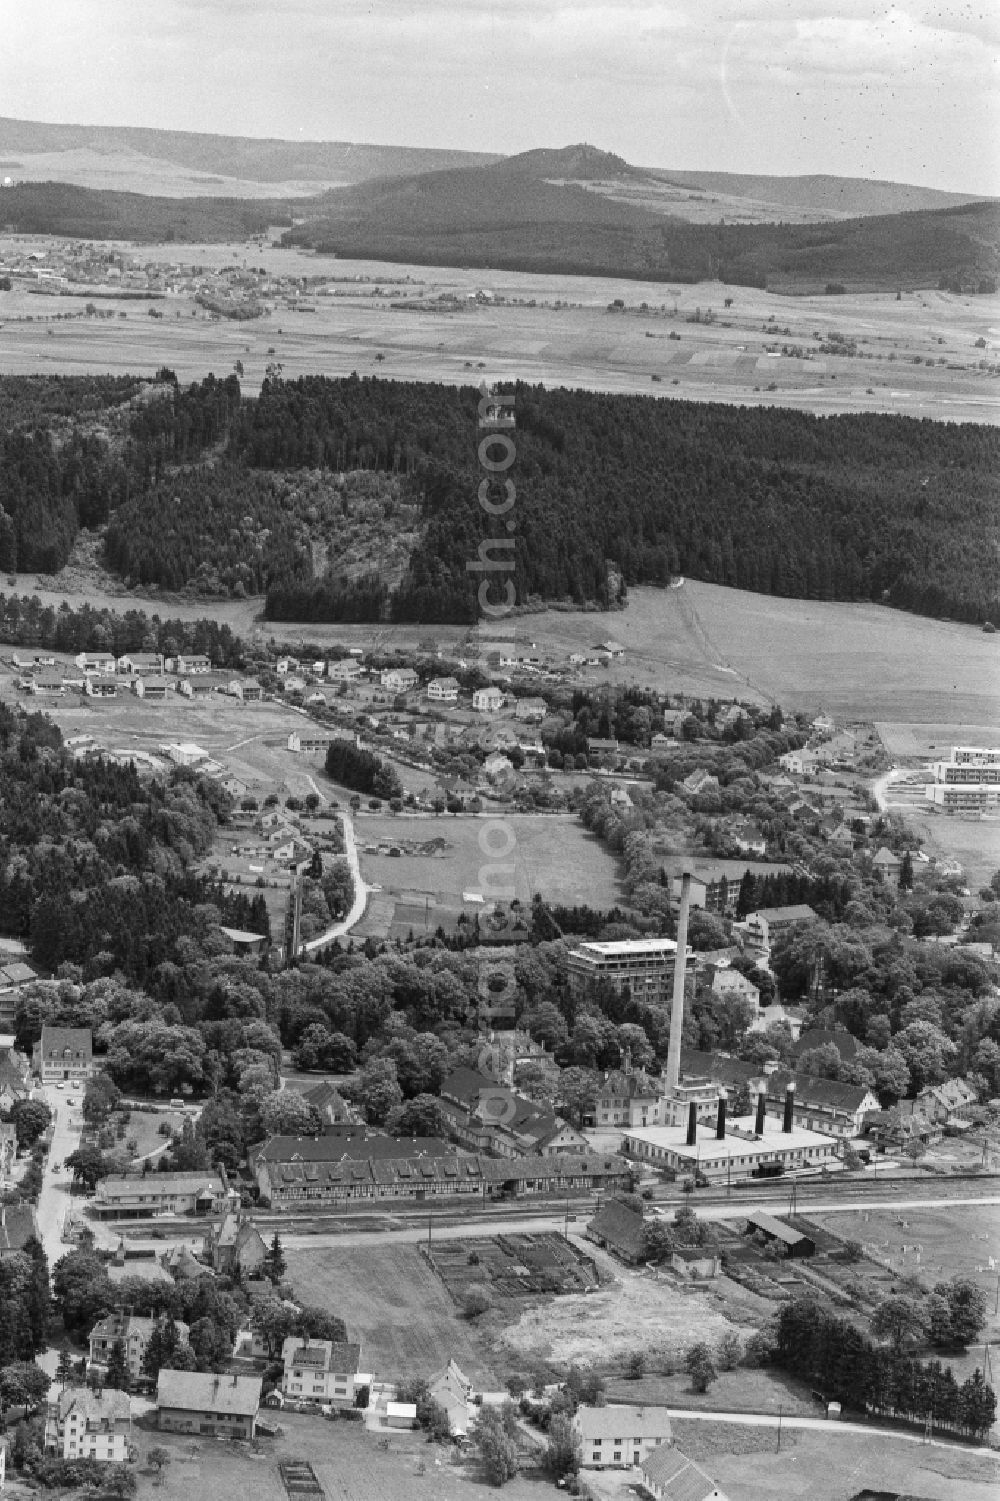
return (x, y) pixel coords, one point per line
(443, 690)
(63, 1053)
(620, 1435)
(84, 1424)
(322, 1370)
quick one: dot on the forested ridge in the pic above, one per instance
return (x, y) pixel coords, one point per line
(199, 487)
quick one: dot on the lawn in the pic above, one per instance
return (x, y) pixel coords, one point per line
(833, 1465)
(349, 1463)
(395, 1305)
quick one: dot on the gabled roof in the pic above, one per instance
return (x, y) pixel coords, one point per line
(620, 1226)
(626, 1419)
(714, 1066)
(809, 1090)
(200, 1391)
(107, 1405)
(818, 1037)
(678, 1477)
(777, 1229)
(60, 1039)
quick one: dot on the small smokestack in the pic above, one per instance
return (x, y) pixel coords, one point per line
(692, 1124)
(761, 1107)
(720, 1124)
(786, 1124)
(677, 1001)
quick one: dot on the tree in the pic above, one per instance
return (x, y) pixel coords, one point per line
(158, 1458)
(576, 1093)
(564, 1451)
(966, 1308)
(421, 1116)
(897, 1319)
(64, 1368)
(700, 1367)
(118, 1372)
(657, 1241)
(494, 1438)
(477, 1301)
(82, 1290)
(275, 1264)
(378, 1090)
(30, 1119)
(635, 1365)
(285, 1113)
(88, 1166)
(101, 1095)
(977, 1404)
(23, 1384)
(906, 872)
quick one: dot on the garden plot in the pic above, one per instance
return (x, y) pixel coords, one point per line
(513, 1266)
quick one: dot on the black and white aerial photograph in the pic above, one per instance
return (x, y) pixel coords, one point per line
(499, 750)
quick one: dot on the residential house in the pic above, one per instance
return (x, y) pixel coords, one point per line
(748, 838)
(674, 721)
(452, 1389)
(700, 782)
(625, 1098)
(614, 650)
(620, 1435)
(99, 663)
(286, 666)
(193, 662)
(134, 1334)
(761, 928)
(322, 1370)
(668, 1475)
(153, 689)
(100, 687)
(343, 670)
(247, 690)
(949, 1103)
(18, 1225)
(731, 982)
(331, 1104)
(235, 1245)
(887, 864)
(162, 1193)
(443, 690)
(620, 1230)
(602, 752)
(696, 1263)
(488, 700)
(63, 1053)
(84, 1424)
(141, 664)
(14, 1067)
(201, 685)
(398, 679)
(530, 710)
(202, 1403)
(485, 1116)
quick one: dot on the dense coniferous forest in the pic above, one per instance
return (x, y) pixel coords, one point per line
(199, 488)
(850, 507)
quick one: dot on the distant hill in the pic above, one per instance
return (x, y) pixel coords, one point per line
(264, 160)
(512, 215)
(853, 197)
(58, 208)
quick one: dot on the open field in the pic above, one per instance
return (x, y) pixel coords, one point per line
(935, 1245)
(348, 1461)
(394, 1303)
(637, 1310)
(833, 1466)
(737, 357)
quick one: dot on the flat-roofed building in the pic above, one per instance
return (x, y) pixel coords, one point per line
(740, 1153)
(645, 965)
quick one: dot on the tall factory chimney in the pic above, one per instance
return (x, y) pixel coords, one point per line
(720, 1125)
(692, 1136)
(786, 1124)
(761, 1107)
(677, 1002)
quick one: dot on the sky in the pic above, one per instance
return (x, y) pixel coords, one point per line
(908, 91)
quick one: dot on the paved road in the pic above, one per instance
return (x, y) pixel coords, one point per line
(496, 1224)
(54, 1199)
(360, 894)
